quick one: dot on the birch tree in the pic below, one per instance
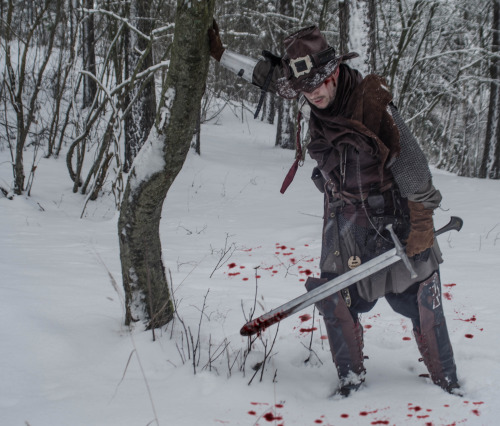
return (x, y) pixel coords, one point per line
(158, 163)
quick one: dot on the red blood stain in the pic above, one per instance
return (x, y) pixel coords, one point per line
(476, 412)
(282, 247)
(406, 338)
(233, 274)
(446, 405)
(324, 337)
(306, 245)
(257, 276)
(478, 403)
(380, 422)
(306, 272)
(308, 330)
(469, 336)
(450, 285)
(276, 252)
(416, 408)
(318, 421)
(279, 405)
(365, 413)
(245, 279)
(471, 319)
(231, 265)
(293, 260)
(270, 417)
(447, 295)
(259, 403)
(252, 413)
(367, 326)
(242, 267)
(287, 254)
(344, 416)
(305, 317)
(423, 417)
(274, 271)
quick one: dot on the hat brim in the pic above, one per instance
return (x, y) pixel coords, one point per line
(290, 88)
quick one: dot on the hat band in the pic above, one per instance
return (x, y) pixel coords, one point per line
(303, 65)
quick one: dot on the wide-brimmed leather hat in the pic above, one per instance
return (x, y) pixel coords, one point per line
(308, 62)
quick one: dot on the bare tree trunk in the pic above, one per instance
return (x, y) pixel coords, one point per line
(285, 128)
(158, 163)
(140, 119)
(357, 26)
(490, 164)
(89, 64)
(25, 81)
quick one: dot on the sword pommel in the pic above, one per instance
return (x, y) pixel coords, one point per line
(400, 251)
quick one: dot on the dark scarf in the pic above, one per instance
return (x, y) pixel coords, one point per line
(360, 106)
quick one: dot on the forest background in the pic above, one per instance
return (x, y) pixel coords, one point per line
(97, 67)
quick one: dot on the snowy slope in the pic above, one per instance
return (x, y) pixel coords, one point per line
(67, 359)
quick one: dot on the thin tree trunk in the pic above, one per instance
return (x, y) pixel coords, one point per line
(490, 163)
(158, 163)
(140, 119)
(357, 26)
(89, 62)
(286, 123)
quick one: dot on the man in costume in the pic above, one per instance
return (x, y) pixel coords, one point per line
(372, 173)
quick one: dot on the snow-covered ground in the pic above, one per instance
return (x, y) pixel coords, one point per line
(67, 359)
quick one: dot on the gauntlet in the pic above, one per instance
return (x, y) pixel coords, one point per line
(421, 235)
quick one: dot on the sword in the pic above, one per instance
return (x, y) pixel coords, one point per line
(345, 280)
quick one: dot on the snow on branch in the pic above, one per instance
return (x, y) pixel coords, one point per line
(118, 18)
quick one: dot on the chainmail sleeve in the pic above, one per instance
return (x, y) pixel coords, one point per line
(410, 169)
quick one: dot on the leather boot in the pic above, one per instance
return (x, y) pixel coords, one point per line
(432, 336)
(345, 337)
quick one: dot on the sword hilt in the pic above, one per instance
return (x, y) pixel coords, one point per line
(400, 251)
(455, 224)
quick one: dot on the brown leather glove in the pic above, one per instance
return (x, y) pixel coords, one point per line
(421, 229)
(216, 47)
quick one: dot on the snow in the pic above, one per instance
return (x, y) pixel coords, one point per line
(67, 359)
(149, 160)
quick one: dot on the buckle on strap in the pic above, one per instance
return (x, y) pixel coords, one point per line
(301, 66)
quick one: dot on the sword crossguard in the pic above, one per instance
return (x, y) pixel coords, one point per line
(400, 251)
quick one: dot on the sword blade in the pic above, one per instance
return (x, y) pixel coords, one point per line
(330, 287)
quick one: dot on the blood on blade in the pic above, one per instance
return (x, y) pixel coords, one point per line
(260, 324)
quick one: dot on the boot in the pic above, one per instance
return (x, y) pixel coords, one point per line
(432, 336)
(345, 337)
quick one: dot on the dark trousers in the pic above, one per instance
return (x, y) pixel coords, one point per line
(405, 303)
